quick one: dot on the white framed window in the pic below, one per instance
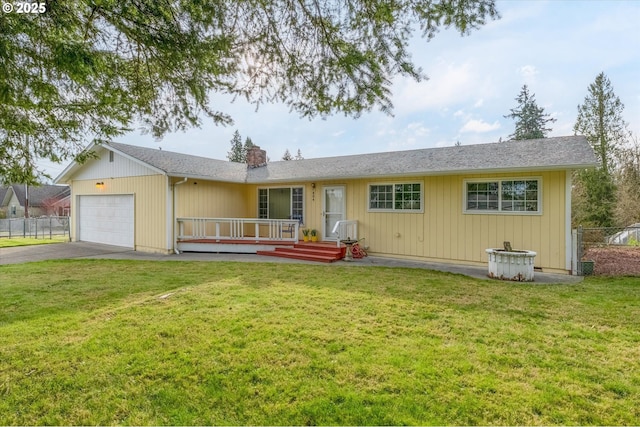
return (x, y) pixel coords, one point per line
(504, 195)
(281, 203)
(403, 197)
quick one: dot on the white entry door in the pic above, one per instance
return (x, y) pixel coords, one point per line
(333, 209)
(106, 219)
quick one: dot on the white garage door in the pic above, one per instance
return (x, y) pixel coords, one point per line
(106, 219)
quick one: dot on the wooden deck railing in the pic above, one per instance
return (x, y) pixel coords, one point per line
(248, 229)
(346, 229)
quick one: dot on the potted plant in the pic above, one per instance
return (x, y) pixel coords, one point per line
(314, 235)
(305, 234)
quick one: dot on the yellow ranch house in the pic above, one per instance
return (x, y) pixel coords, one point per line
(437, 204)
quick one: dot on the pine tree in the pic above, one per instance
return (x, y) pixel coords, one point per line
(600, 121)
(530, 119)
(287, 155)
(299, 155)
(237, 154)
(88, 71)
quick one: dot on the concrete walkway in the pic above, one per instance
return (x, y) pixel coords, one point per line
(84, 250)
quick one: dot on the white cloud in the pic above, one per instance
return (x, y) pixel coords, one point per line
(412, 135)
(448, 83)
(479, 103)
(479, 126)
(528, 73)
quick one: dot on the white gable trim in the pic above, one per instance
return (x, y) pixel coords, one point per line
(76, 169)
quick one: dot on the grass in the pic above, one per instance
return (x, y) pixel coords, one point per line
(6, 242)
(128, 342)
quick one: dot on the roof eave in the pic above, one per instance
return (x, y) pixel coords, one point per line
(206, 178)
(65, 176)
(426, 173)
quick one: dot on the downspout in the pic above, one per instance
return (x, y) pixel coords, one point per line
(173, 194)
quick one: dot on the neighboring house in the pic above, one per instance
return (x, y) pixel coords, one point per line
(439, 204)
(43, 200)
(3, 209)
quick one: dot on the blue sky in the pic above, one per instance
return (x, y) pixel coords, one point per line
(555, 47)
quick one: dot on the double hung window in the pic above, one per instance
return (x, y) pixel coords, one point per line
(395, 197)
(506, 196)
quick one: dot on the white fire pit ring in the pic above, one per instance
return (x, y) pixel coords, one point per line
(512, 265)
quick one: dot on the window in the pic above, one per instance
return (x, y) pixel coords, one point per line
(281, 203)
(509, 195)
(395, 197)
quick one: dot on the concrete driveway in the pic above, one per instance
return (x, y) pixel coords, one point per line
(21, 254)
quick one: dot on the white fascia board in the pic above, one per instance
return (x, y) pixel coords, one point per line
(65, 175)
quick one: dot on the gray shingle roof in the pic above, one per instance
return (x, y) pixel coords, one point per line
(569, 152)
(178, 164)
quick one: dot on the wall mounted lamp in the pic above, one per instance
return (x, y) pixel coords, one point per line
(100, 185)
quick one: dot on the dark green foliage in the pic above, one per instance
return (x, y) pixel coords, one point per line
(237, 153)
(530, 119)
(89, 70)
(600, 121)
(594, 199)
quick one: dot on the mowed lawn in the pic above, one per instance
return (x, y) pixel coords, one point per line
(185, 343)
(6, 242)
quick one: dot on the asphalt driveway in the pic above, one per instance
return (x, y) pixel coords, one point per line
(22, 254)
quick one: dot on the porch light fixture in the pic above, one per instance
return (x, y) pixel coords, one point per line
(100, 185)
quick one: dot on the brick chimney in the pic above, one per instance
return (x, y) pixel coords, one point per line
(256, 157)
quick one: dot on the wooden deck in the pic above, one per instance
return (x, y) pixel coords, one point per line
(310, 251)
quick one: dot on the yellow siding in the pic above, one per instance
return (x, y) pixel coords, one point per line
(197, 198)
(150, 204)
(443, 232)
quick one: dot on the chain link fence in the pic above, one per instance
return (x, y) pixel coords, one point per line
(612, 245)
(39, 228)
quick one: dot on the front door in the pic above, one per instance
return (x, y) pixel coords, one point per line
(333, 209)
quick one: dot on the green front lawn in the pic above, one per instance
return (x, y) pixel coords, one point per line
(128, 342)
(6, 242)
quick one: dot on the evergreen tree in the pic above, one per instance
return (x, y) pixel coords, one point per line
(299, 155)
(237, 153)
(530, 119)
(287, 155)
(86, 70)
(600, 121)
(593, 199)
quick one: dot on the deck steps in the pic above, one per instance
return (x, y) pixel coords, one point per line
(308, 252)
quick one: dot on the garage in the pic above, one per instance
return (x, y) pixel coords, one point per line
(106, 219)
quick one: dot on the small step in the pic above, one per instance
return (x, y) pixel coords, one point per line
(321, 248)
(310, 251)
(293, 254)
